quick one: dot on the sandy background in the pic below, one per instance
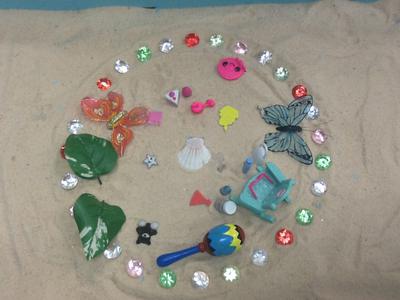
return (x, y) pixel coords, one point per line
(346, 53)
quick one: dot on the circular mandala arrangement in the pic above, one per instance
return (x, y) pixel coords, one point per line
(90, 156)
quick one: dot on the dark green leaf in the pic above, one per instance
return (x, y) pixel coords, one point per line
(90, 156)
(98, 223)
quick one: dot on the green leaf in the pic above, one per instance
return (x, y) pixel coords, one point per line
(90, 156)
(98, 223)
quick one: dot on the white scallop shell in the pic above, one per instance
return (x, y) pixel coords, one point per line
(259, 154)
(194, 155)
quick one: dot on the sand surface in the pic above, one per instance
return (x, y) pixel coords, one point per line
(348, 55)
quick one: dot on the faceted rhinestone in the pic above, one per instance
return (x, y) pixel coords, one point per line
(240, 48)
(264, 57)
(318, 187)
(281, 73)
(299, 91)
(284, 237)
(259, 257)
(69, 181)
(167, 279)
(113, 251)
(166, 46)
(318, 136)
(313, 113)
(74, 126)
(71, 211)
(231, 273)
(104, 84)
(323, 161)
(143, 54)
(304, 216)
(192, 40)
(62, 151)
(121, 66)
(216, 40)
(200, 280)
(135, 268)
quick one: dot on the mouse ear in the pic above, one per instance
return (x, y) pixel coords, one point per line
(154, 225)
(142, 223)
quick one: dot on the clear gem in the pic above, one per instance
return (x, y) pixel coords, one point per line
(113, 251)
(71, 211)
(313, 113)
(264, 57)
(167, 279)
(304, 216)
(281, 73)
(318, 136)
(200, 280)
(323, 161)
(135, 268)
(74, 126)
(143, 54)
(166, 46)
(69, 181)
(259, 257)
(318, 188)
(240, 48)
(231, 273)
(216, 40)
(121, 66)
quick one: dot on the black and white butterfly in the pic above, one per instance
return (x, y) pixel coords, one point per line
(288, 119)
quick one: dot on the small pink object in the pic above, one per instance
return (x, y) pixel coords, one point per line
(197, 107)
(319, 137)
(155, 118)
(231, 68)
(186, 92)
(135, 268)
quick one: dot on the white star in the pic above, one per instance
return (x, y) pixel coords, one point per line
(231, 274)
(150, 160)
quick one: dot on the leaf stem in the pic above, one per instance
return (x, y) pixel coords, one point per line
(99, 180)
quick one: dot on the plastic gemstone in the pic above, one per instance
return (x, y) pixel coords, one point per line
(62, 151)
(299, 91)
(69, 181)
(216, 40)
(104, 84)
(113, 251)
(313, 113)
(281, 73)
(318, 188)
(318, 136)
(192, 40)
(71, 211)
(135, 268)
(284, 237)
(304, 216)
(240, 48)
(259, 257)
(323, 161)
(200, 280)
(74, 126)
(143, 54)
(166, 46)
(264, 57)
(121, 66)
(167, 279)
(231, 273)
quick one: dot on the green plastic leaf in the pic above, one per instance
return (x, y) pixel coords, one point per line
(90, 156)
(98, 223)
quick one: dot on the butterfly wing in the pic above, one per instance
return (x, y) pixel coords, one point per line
(277, 141)
(275, 114)
(298, 109)
(299, 150)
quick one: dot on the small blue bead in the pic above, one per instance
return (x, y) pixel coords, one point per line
(225, 190)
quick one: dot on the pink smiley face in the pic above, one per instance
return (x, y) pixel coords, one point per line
(231, 68)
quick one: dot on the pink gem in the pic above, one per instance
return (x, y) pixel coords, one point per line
(104, 84)
(135, 268)
(319, 137)
(284, 237)
(186, 91)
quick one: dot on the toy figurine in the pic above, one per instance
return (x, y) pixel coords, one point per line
(221, 240)
(266, 190)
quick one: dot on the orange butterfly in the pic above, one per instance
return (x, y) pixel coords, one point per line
(110, 110)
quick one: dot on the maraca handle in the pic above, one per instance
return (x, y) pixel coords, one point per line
(169, 258)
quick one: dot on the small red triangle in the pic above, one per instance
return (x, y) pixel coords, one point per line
(198, 199)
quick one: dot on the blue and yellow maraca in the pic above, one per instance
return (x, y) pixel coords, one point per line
(221, 240)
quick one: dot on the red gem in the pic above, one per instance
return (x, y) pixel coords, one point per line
(104, 84)
(284, 237)
(192, 40)
(62, 151)
(299, 91)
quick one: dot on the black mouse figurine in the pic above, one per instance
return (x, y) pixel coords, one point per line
(145, 231)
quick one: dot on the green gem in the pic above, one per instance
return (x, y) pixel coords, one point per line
(167, 279)
(143, 54)
(323, 161)
(281, 73)
(304, 216)
(216, 40)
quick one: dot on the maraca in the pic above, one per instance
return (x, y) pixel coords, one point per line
(197, 107)
(221, 240)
